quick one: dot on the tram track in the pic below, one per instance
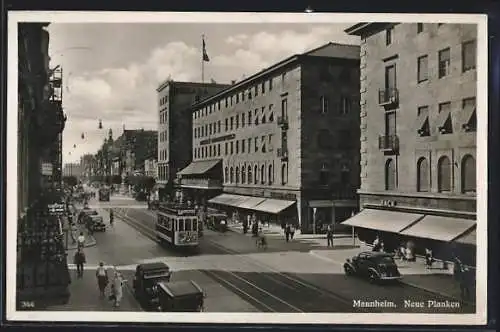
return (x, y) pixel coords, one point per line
(269, 291)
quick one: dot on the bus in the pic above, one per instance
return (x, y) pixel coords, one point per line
(104, 194)
(177, 225)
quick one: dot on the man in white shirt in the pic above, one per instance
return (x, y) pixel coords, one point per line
(81, 240)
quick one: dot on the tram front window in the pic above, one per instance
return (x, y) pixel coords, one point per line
(181, 225)
(195, 224)
(188, 225)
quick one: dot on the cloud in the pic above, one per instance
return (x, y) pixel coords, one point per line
(127, 95)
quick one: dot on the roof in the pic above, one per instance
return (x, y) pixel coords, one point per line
(181, 288)
(363, 28)
(168, 82)
(329, 50)
(154, 266)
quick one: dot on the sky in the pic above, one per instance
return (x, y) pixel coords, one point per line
(112, 70)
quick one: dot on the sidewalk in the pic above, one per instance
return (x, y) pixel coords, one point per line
(85, 295)
(68, 241)
(436, 280)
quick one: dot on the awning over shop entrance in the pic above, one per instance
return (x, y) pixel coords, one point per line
(382, 220)
(273, 205)
(250, 202)
(439, 228)
(468, 238)
(199, 167)
(227, 199)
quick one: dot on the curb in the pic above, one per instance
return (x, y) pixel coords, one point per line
(411, 284)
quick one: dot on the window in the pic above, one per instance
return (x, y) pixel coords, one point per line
(256, 90)
(468, 55)
(263, 144)
(284, 174)
(270, 174)
(226, 150)
(218, 149)
(249, 173)
(226, 124)
(271, 113)
(390, 79)
(249, 94)
(388, 36)
(237, 121)
(422, 175)
(469, 122)
(231, 122)
(218, 126)
(256, 116)
(423, 110)
(242, 120)
(283, 79)
(231, 175)
(249, 118)
(422, 68)
(226, 174)
(256, 140)
(444, 62)
(210, 129)
(263, 87)
(420, 27)
(444, 174)
(242, 146)
(270, 84)
(243, 175)
(262, 174)
(237, 98)
(345, 105)
(231, 145)
(324, 175)
(324, 104)
(284, 108)
(218, 105)
(227, 102)
(468, 169)
(249, 145)
(390, 175)
(243, 96)
(237, 147)
(255, 180)
(237, 174)
(390, 124)
(270, 142)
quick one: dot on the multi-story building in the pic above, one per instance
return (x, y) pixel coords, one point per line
(87, 162)
(151, 168)
(174, 126)
(418, 130)
(72, 169)
(284, 141)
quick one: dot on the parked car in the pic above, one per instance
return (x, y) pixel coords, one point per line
(95, 223)
(376, 266)
(180, 296)
(146, 278)
(84, 213)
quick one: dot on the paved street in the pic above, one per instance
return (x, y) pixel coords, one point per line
(285, 278)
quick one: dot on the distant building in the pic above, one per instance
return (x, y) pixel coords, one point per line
(174, 127)
(87, 163)
(72, 169)
(418, 131)
(283, 143)
(151, 168)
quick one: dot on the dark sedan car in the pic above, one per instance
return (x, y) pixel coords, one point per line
(376, 266)
(84, 213)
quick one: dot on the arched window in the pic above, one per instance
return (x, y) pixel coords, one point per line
(390, 175)
(284, 174)
(249, 171)
(262, 174)
(444, 174)
(231, 175)
(422, 175)
(468, 168)
(237, 174)
(324, 139)
(243, 175)
(270, 174)
(226, 175)
(255, 179)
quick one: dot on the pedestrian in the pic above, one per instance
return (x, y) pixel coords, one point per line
(117, 289)
(81, 240)
(376, 244)
(292, 231)
(428, 258)
(79, 261)
(288, 231)
(329, 236)
(102, 278)
(111, 217)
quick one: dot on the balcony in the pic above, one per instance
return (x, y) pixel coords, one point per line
(283, 153)
(388, 143)
(201, 183)
(388, 97)
(283, 122)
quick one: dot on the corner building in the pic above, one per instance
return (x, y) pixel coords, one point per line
(283, 142)
(174, 127)
(418, 134)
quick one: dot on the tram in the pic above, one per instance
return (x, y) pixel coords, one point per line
(177, 225)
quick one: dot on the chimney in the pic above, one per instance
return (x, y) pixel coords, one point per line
(233, 82)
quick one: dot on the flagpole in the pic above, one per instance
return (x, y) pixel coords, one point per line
(202, 59)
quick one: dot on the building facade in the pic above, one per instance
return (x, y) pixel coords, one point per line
(174, 126)
(88, 163)
(151, 168)
(283, 142)
(72, 169)
(418, 126)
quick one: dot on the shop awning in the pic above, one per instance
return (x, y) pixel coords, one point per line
(383, 220)
(199, 167)
(468, 238)
(439, 228)
(251, 202)
(273, 205)
(224, 199)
